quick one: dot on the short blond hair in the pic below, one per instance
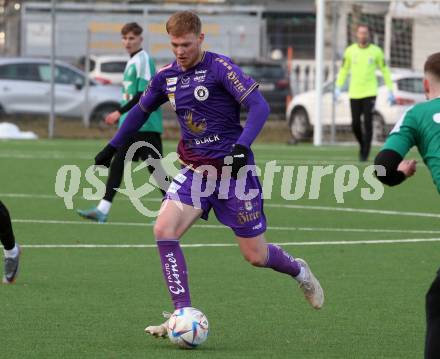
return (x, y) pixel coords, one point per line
(184, 22)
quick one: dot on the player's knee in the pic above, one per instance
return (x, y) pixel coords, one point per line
(255, 258)
(161, 230)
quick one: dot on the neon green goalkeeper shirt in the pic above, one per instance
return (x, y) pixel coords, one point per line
(361, 63)
(138, 72)
(419, 126)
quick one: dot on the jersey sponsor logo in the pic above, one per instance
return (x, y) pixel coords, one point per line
(194, 127)
(208, 139)
(436, 118)
(200, 72)
(200, 78)
(172, 99)
(185, 82)
(233, 77)
(246, 217)
(201, 93)
(224, 63)
(172, 272)
(171, 89)
(171, 81)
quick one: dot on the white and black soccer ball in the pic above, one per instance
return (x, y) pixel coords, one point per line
(188, 327)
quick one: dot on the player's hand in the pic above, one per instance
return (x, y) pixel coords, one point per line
(391, 98)
(112, 117)
(407, 167)
(237, 159)
(104, 157)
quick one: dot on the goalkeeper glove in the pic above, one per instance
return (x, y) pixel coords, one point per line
(391, 98)
(104, 157)
(238, 158)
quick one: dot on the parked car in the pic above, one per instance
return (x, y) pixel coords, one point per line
(25, 89)
(106, 69)
(273, 80)
(407, 88)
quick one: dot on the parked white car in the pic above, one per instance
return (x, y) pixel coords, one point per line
(25, 89)
(407, 89)
(106, 69)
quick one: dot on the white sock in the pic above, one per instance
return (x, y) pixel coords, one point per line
(11, 253)
(301, 275)
(104, 206)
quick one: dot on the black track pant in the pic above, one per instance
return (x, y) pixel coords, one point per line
(363, 108)
(6, 234)
(117, 166)
(432, 345)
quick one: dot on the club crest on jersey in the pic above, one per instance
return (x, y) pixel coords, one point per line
(201, 93)
(248, 206)
(172, 99)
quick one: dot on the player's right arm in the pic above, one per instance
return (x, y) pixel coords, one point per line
(152, 98)
(399, 142)
(345, 69)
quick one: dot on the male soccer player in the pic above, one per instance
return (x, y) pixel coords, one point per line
(419, 126)
(138, 72)
(11, 249)
(206, 91)
(361, 61)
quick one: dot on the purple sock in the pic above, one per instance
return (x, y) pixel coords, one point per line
(281, 261)
(174, 271)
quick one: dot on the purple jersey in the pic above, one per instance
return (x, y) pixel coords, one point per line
(207, 100)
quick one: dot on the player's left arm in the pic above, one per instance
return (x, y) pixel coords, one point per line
(391, 157)
(245, 91)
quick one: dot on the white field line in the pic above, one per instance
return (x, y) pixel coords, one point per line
(357, 210)
(280, 159)
(218, 226)
(270, 205)
(199, 245)
(52, 196)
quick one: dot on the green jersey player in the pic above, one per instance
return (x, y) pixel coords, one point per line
(138, 72)
(420, 127)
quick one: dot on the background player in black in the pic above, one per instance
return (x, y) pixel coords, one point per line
(11, 249)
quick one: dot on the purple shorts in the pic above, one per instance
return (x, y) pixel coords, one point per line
(237, 204)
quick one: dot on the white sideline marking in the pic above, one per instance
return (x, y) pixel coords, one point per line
(358, 210)
(199, 245)
(271, 205)
(218, 226)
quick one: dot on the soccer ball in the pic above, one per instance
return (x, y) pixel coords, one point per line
(188, 327)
